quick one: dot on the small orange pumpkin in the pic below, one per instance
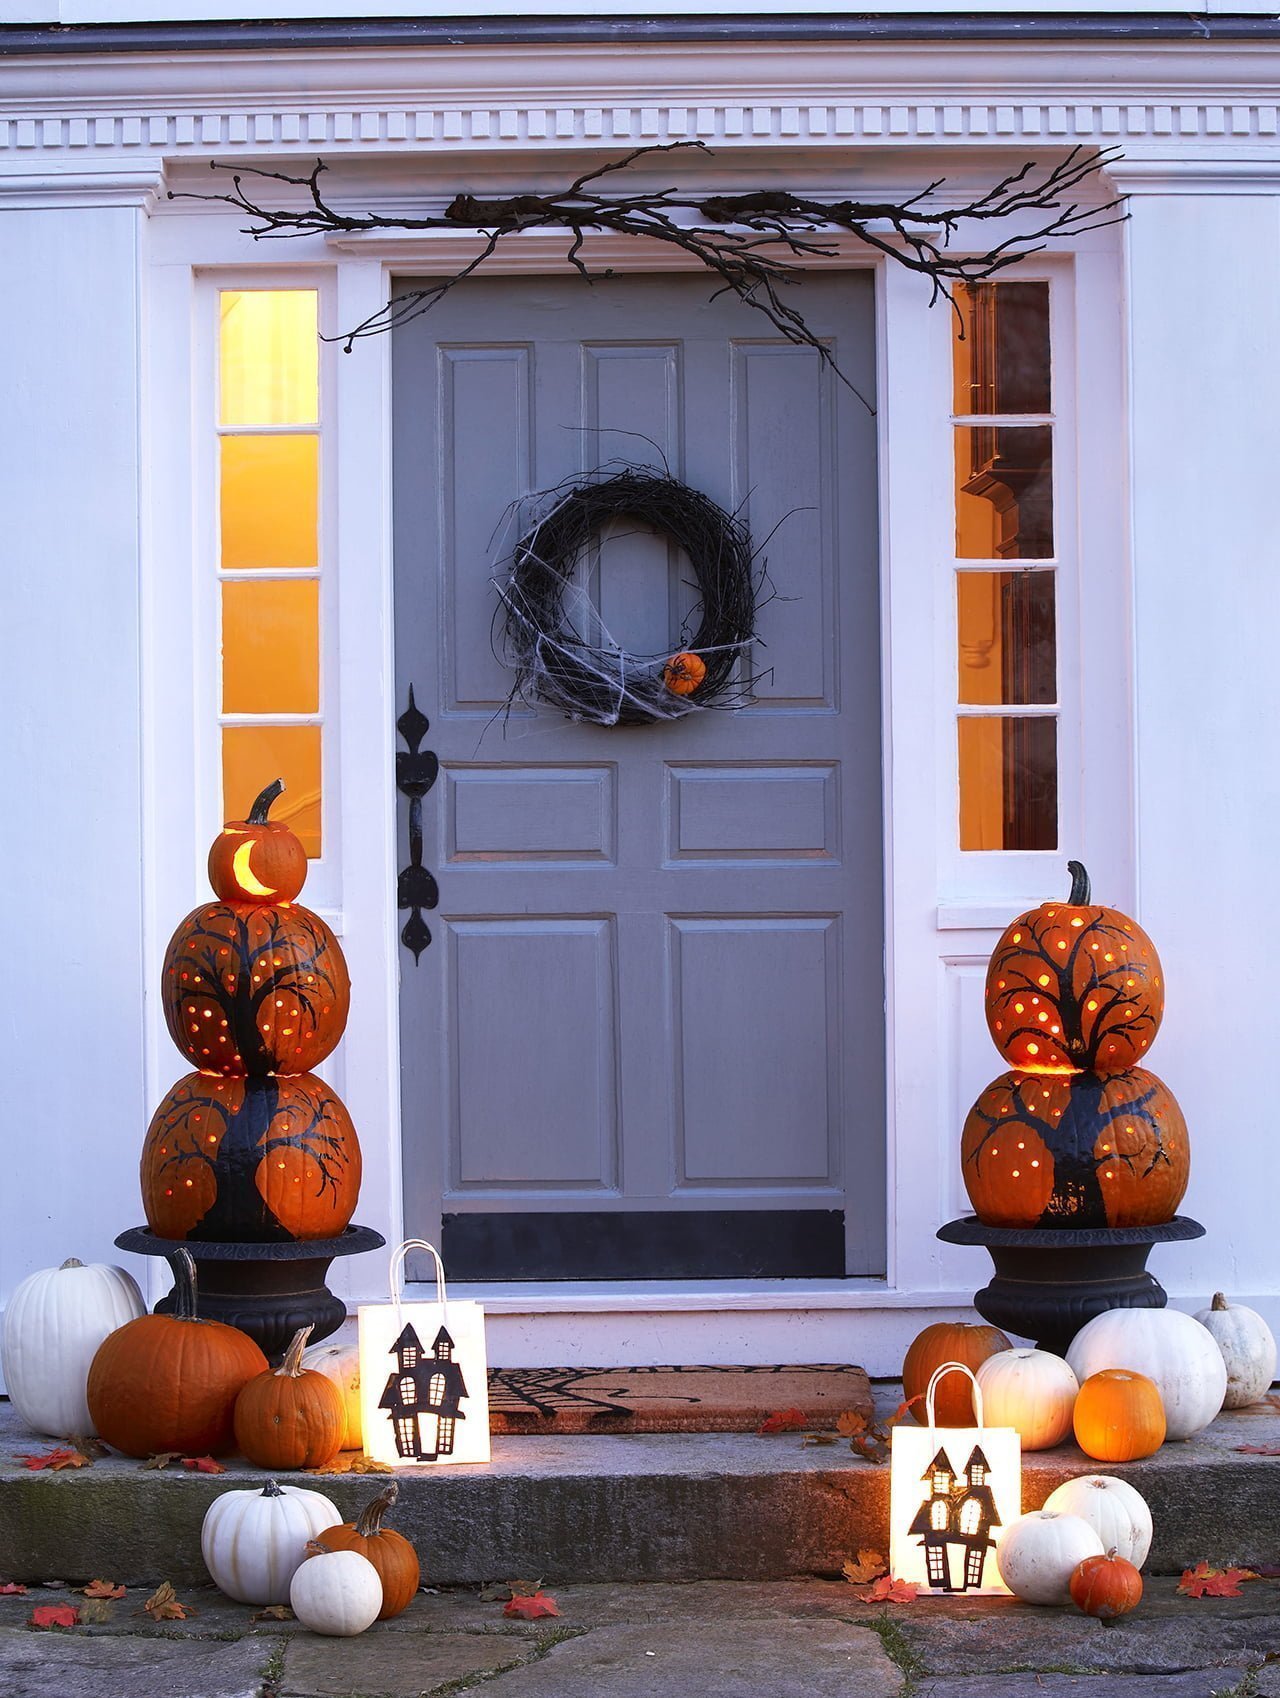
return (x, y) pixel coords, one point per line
(1118, 1416)
(290, 1416)
(390, 1552)
(1074, 985)
(1106, 1586)
(170, 1382)
(948, 1341)
(258, 859)
(684, 672)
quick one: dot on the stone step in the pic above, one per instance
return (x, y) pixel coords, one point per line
(642, 1507)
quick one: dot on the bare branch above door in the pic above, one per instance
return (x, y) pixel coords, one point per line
(754, 243)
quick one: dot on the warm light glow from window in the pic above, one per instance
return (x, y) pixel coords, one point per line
(293, 753)
(271, 646)
(269, 372)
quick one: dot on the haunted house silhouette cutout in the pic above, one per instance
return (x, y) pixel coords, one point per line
(422, 1396)
(955, 1521)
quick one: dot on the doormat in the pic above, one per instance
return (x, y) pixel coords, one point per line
(671, 1400)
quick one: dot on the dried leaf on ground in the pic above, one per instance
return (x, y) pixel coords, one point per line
(165, 1605)
(54, 1615)
(273, 1612)
(63, 1457)
(102, 1589)
(524, 1588)
(497, 1593)
(162, 1459)
(903, 1410)
(91, 1447)
(530, 1606)
(866, 1566)
(11, 1589)
(871, 1446)
(784, 1421)
(203, 1465)
(94, 1612)
(1204, 1581)
(818, 1438)
(851, 1421)
(353, 1462)
(1259, 1449)
(890, 1591)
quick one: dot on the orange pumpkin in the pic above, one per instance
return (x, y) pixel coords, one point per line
(948, 1341)
(390, 1552)
(290, 1416)
(254, 989)
(683, 673)
(1074, 985)
(1106, 1586)
(1075, 1150)
(258, 859)
(170, 1382)
(250, 1159)
(1118, 1416)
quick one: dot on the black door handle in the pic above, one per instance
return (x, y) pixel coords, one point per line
(416, 771)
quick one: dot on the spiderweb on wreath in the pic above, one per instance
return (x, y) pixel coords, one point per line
(563, 654)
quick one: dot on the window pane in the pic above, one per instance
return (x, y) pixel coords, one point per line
(1008, 783)
(1007, 641)
(271, 646)
(270, 363)
(270, 486)
(1004, 492)
(1002, 365)
(252, 755)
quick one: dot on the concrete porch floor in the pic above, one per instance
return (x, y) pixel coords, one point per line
(660, 1507)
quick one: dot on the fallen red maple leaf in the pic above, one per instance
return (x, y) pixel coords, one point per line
(1259, 1449)
(887, 1590)
(102, 1589)
(1204, 1581)
(531, 1607)
(783, 1421)
(165, 1605)
(63, 1457)
(54, 1615)
(11, 1589)
(203, 1464)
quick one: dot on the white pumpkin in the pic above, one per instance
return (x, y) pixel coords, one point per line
(253, 1541)
(1117, 1513)
(1031, 1391)
(53, 1325)
(336, 1592)
(1039, 1553)
(1248, 1349)
(1167, 1346)
(341, 1364)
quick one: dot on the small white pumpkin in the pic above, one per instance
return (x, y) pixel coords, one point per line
(341, 1364)
(1039, 1553)
(1031, 1391)
(1167, 1346)
(53, 1325)
(1248, 1348)
(1117, 1513)
(336, 1592)
(253, 1541)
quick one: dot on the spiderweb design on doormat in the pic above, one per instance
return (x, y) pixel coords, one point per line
(685, 1399)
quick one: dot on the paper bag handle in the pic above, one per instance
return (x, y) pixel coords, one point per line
(952, 1368)
(396, 1274)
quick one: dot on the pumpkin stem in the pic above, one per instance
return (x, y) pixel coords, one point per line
(262, 806)
(71, 1262)
(184, 1285)
(1219, 1301)
(1079, 896)
(272, 1490)
(370, 1523)
(292, 1364)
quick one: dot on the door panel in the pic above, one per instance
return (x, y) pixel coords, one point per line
(647, 1039)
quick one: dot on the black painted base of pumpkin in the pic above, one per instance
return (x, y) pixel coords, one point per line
(1048, 1283)
(267, 1290)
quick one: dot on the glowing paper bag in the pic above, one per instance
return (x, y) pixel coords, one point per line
(424, 1375)
(952, 1493)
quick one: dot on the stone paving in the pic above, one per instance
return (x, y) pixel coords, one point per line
(712, 1639)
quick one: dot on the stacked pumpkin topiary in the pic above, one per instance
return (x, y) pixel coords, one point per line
(252, 1146)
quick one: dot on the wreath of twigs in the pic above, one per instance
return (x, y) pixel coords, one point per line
(552, 634)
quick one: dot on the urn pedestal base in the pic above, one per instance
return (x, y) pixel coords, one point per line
(267, 1290)
(1047, 1284)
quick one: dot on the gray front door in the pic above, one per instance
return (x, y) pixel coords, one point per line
(646, 1039)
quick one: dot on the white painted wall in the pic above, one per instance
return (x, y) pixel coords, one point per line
(108, 740)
